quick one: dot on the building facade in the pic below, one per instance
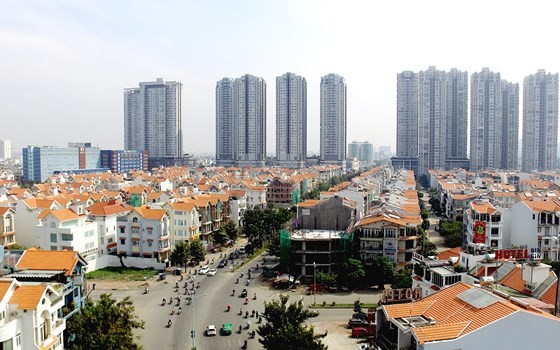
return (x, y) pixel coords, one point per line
(249, 119)
(456, 121)
(41, 162)
(486, 116)
(333, 120)
(291, 120)
(225, 131)
(363, 151)
(124, 161)
(510, 125)
(407, 115)
(5, 149)
(152, 118)
(540, 121)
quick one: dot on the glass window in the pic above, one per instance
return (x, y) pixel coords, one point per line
(53, 238)
(67, 236)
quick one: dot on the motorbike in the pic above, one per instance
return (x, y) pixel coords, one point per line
(146, 291)
(169, 323)
(170, 300)
(247, 283)
(252, 335)
(237, 281)
(179, 311)
(245, 344)
(173, 311)
(248, 324)
(255, 296)
(246, 301)
(228, 308)
(197, 284)
(233, 293)
(163, 302)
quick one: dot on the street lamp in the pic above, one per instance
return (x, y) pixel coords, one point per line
(193, 327)
(314, 283)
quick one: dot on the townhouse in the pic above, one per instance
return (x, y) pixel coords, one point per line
(7, 227)
(485, 224)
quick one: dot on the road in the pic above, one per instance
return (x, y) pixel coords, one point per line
(433, 235)
(210, 304)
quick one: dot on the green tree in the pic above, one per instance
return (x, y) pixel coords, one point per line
(384, 271)
(425, 224)
(231, 230)
(427, 248)
(353, 273)
(447, 228)
(454, 239)
(104, 324)
(197, 251)
(424, 214)
(180, 254)
(403, 279)
(326, 278)
(220, 236)
(285, 327)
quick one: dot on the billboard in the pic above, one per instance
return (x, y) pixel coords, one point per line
(479, 232)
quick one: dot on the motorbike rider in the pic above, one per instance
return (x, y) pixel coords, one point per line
(163, 301)
(169, 323)
(180, 310)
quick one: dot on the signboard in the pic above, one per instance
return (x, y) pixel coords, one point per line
(515, 253)
(479, 232)
(399, 295)
(390, 249)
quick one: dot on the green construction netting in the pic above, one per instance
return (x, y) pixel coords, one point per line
(346, 241)
(285, 247)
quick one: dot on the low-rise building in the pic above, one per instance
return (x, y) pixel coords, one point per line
(7, 226)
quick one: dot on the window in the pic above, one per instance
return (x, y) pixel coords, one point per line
(53, 247)
(135, 243)
(150, 243)
(67, 236)
(121, 229)
(53, 224)
(18, 339)
(53, 238)
(123, 240)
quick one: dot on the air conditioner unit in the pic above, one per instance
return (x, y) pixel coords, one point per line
(14, 313)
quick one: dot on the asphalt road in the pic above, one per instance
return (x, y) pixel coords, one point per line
(210, 304)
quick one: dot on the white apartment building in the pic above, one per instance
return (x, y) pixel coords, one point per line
(486, 116)
(510, 125)
(535, 224)
(5, 149)
(407, 115)
(333, 120)
(249, 118)
(291, 121)
(27, 218)
(457, 101)
(540, 121)
(152, 118)
(184, 221)
(225, 132)
(29, 316)
(485, 224)
(145, 234)
(69, 229)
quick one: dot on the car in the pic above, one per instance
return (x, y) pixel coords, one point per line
(226, 329)
(242, 250)
(313, 313)
(211, 272)
(203, 270)
(243, 293)
(356, 322)
(222, 263)
(363, 347)
(211, 330)
(361, 316)
(359, 332)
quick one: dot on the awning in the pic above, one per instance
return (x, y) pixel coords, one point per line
(111, 245)
(135, 238)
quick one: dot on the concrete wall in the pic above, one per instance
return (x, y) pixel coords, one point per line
(523, 226)
(327, 215)
(129, 261)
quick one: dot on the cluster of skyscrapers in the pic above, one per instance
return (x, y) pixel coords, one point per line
(241, 121)
(432, 121)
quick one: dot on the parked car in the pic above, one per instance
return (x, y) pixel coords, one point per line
(204, 270)
(361, 316)
(211, 272)
(359, 332)
(356, 322)
(211, 330)
(226, 329)
(313, 313)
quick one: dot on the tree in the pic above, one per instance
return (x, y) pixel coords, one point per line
(220, 236)
(180, 254)
(231, 230)
(403, 279)
(326, 278)
(285, 327)
(384, 271)
(427, 248)
(424, 214)
(353, 273)
(425, 224)
(104, 324)
(197, 251)
(455, 239)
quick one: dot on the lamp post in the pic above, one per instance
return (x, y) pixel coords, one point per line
(314, 282)
(193, 327)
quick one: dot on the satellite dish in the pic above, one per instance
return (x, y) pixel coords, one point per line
(558, 214)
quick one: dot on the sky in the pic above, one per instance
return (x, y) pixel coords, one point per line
(64, 64)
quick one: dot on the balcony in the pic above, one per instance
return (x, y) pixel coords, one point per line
(59, 327)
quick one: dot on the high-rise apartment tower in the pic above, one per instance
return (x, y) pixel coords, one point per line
(333, 120)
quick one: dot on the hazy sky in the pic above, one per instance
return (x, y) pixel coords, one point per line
(64, 64)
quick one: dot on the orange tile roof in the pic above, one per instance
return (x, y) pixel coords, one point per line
(4, 210)
(449, 253)
(182, 206)
(411, 309)
(442, 331)
(4, 286)
(150, 213)
(61, 214)
(550, 296)
(542, 205)
(35, 259)
(27, 297)
(108, 208)
(482, 207)
(309, 203)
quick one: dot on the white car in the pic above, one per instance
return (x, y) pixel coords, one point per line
(203, 270)
(211, 330)
(211, 272)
